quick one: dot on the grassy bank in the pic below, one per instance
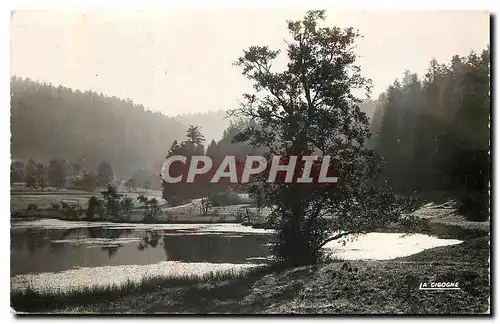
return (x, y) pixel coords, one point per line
(30, 300)
(132, 221)
(361, 287)
(357, 287)
(186, 214)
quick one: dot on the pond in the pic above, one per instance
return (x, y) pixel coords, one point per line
(52, 253)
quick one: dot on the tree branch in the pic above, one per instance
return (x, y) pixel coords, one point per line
(336, 237)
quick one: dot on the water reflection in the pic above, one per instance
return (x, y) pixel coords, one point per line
(150, 239)
(214, 248)
(107, 234)
(111, 250)
(36, 250)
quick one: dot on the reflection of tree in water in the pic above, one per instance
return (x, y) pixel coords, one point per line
(95, 232)
(111, 249)
(67, 232)
(35, 240)
(197, 248)
(89, 232)
(58, 235)
(150, 239)
(209, 248)
(16, 240)
(231, 248)
(106, 233)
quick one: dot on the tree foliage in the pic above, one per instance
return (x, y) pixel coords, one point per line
(194, 141)
(191, 146)
(152, 209)
(433, 132)
(126, 204)
(111, 204)
(94, 207)
(311, 107)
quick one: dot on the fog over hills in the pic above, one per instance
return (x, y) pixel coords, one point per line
(86, 127)
(99, 127)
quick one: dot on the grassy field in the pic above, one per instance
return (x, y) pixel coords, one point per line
(21, 198)
(357, 287)
(186, 213)
(445, 222)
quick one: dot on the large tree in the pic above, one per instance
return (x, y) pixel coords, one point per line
(311, 107)
(192, 146)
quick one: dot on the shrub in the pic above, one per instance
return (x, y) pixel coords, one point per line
(126, 205)
(152, 209)
(71, 212)
(94, 206)
(32, 207)
(205, 205)
(246, 216)
(111, 202)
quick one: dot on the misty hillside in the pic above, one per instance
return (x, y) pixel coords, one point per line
(86, 127)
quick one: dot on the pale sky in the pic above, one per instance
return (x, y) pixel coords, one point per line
(180, 60)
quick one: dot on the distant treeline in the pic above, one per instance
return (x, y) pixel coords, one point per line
(433, 132)
(86, 128)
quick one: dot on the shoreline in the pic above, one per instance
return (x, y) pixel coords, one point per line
(441, 230)
(444, 220)
(97, 221)
(389, 286)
